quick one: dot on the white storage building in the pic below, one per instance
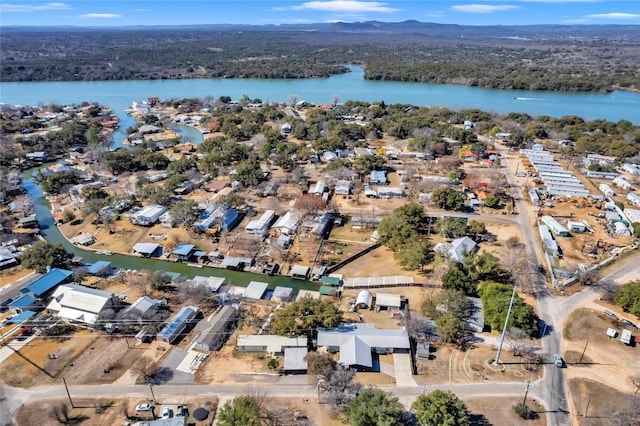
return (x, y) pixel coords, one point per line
(148, 215)
(606, 190)
(319, 188)
(343, 187)
(261, 225)
(79, 304)
(255, 290)
(555, 226)
(622, 183)
(548, 243)
(632, 169)
(364, 299)
(575, 226)
(633, 215)
(287, 224)
(634, 198)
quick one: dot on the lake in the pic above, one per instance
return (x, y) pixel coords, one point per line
(118, 95)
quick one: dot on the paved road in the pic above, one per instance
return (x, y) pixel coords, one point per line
(553, 380)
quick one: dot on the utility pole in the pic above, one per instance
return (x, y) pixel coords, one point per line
(151, 389)
(583, 351)
(68, 393)
(504, 329)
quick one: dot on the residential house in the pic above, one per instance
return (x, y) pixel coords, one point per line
(261, 226)
(148, 215)
(378, 177)
(143, 307)
(213, 332)
(44, 285)
(634, 198)
(555, 226)
(178, 325)
(357, 342)
(184, 252)
(343, 187)
(632, 169)
(469, 156)
(99, 268)
(287, 224)
(8, 257)
(457, 249)
(82, 305)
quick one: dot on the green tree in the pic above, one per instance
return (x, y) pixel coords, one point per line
(456, 279)
(451, 227)
(249, 173)
(414, 254)
(629, 297)
(450, 329)
(476, 229)
(440, 408)
(448, 301)
(375, 407)
(495, 299)
(366, 163)
(304, 316)
(401, 225)
(447, 198)
(42, 255)
(492, 201)
(242, 410)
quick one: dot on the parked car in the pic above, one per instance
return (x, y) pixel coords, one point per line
(627, 322)
(144, 407)
(167, 413)
(609, 314)
(558, 361)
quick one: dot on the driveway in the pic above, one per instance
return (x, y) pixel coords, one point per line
(402, 365)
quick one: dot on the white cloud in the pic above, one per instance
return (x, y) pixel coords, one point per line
(33, 8)
(483, 8)
(99, 16)
(140, 10)
(614, 15)
(344, 6)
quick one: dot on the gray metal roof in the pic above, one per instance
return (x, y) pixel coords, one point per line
(255, 290)
(294, 359)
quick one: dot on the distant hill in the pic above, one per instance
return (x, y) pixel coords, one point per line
(411, 26)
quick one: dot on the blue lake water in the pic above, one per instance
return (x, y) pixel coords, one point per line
(118, 95)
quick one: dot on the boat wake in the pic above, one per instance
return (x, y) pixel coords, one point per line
(529, 99)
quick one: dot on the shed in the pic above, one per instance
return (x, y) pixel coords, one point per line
(233, 262)
(230, 218)
(294, 360)
(299, 271)
(143, 336)
(84, 239)
(147, 249)
(625, 337)
(331, 280)
(48, 281)
(422, 350)
(319, 188)
(576, 226)
(183, 251)
(364, 299)
(255, 290)
(21, 317)
(100, 267)
(143, 306)
(388, 301)
(282, 294)
(307, 293)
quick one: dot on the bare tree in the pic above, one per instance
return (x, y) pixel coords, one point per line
(339, 387)
(517, 340)
(628, 414)
(420, 328)
(607, 289)
(319, 363)
(514, 260)
(60, 412)
(292, 100)
(144, 367)
(310, 203)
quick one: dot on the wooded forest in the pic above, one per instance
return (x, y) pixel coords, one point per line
(548, 61)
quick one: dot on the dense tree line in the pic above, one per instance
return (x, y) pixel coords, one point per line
(550, 64)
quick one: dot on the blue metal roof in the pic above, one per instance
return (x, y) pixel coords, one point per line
(98, 267)
(21, 317)
(183, 249)
(24, 301)
(48, 281)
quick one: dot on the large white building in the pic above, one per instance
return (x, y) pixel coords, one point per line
(79, 304)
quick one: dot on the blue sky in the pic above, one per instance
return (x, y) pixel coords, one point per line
(259, 12)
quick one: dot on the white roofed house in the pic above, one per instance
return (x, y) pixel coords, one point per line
(634, 198)
(343, 187)
(287, 224)
(261, 226)
(457, 249)
(269, 343)
(148, 215)
(83, 305)
(358, 342)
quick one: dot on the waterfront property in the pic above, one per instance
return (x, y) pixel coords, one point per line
(82, 305)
